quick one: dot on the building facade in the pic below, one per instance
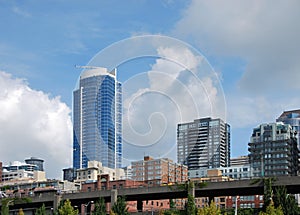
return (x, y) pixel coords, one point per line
(203, 144)
(158, 171)
(292, 117)
(97, 118)
(94, 169)
(273, 150)
(69, 174)
(0, 171)
(18, 171)
(37, 162)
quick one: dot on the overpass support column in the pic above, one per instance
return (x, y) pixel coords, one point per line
(56, 202)
(139, 206)
(113, 197)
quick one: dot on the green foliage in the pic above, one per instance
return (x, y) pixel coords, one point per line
(201, 184)
(172, 204)
(245, 211)
(241, 211)
(171, 212)
(268, 192)
(285, 201)
(120, 207)
(41, 210)
(100, 208)
(191, 207)
(67, 209)
(271, 210)
(209, 210)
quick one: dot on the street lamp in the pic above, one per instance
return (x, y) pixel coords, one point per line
(86, 205)
(236, 205)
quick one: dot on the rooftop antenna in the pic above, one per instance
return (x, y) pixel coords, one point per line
(86, 67)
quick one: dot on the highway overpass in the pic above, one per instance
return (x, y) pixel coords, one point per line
(210, 189)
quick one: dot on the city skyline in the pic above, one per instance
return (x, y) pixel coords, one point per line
(252, 46)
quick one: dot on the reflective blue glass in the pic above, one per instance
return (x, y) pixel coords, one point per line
(97, 120)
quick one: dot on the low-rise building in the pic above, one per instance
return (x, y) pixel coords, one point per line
(22, 171)
(158, 171)
(30, 187)
(94, 169)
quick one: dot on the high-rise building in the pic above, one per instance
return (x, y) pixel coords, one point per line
(292, 117)
(273, 150)
(36, 161)
(238, 161)
(203, 144)
(97, 116)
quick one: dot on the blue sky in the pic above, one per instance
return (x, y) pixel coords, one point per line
(252, 46)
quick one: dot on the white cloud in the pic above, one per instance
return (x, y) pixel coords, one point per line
(179, 89)
(33, 124)
(263, 33)
(266, 37)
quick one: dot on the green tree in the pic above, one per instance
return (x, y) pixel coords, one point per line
(268, 192)
(286, 201)
(67, 209)
(212, 209)
(120, 207)
(191, 206)
(172, 204)
(41, 210)
(271, 210)
(100, 208)
(20, 212)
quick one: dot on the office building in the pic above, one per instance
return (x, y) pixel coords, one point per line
(239, 161)
(97, 106)
(37, 162)
(273, 150)
(158, 171)
(292, 117)
(203, 144)
(69, 174)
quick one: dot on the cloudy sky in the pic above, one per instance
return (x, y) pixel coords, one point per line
(240, 61)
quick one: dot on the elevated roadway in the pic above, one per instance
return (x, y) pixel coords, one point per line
(209, 189)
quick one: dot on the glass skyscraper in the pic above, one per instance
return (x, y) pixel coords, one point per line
(97, 119)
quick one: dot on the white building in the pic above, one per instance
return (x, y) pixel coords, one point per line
(94, 169)
(18, 171)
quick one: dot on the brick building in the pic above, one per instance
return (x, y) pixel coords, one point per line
(158, 171)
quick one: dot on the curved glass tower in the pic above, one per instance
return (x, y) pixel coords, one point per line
(97, 117)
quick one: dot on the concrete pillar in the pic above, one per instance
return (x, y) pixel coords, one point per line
(139, 206)
(113, 196)
(56, 202)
